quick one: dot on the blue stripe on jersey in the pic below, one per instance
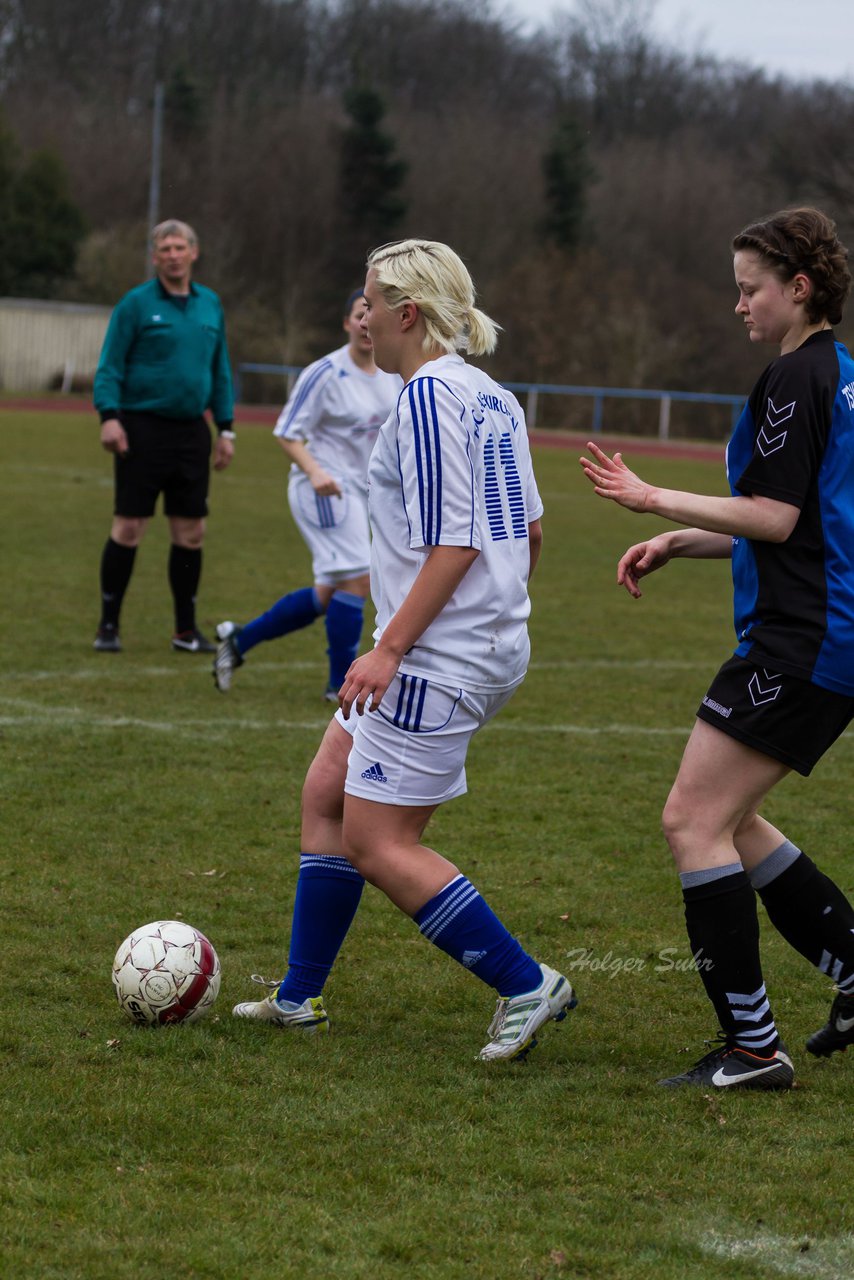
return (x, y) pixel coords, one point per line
(435, 425)
(471, 489)
(794, 601)
(428, 457)
(309, 386)
(492, 493)
(833, 667)
(418, 461)
(402, 490)
(512, 480)
(745, 576)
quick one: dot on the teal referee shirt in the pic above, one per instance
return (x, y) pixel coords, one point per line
(166, 356)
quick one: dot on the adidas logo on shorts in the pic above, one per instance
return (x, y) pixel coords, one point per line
(375, 773)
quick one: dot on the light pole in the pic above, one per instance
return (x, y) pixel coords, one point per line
(154, 180)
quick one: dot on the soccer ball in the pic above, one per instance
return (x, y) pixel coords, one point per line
(166, 972)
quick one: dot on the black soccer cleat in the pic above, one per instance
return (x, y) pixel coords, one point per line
(836, 1036)
(107, 639)
(729, 1067)
(192, 642)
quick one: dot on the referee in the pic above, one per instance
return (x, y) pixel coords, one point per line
(163, 364)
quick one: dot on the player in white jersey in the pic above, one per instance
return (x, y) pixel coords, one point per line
(327, 429)
(455, 516)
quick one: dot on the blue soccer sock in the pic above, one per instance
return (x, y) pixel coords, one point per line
(459, 921)
(327, 898)
(295, 610)
(344, 619)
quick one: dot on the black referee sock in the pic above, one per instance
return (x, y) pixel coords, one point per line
(723, 931)
(116, 569)
(185, 570)
(814, 917)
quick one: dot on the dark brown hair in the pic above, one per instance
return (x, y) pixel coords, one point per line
(803, 241)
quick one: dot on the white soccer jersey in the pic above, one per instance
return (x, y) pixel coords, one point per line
(337, 409)
(452, 467)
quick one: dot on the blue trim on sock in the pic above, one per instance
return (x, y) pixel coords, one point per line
(460, 923)
(349, 597)
(344, 620)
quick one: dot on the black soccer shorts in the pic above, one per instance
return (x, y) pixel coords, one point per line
(165, 455)
(791, 720)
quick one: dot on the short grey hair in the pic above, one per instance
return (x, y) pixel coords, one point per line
(172, 227)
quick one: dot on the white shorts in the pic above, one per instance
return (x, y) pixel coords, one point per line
(336, 530)
(413, 750)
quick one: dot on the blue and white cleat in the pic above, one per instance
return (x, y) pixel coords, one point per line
(310, 1016)
(228, 656)
(512, 1032)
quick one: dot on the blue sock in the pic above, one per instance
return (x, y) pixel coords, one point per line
(295, 610)
(344, 619)
(459, 921)
(327, 898)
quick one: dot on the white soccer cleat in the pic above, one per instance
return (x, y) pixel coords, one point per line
(310, 1016)
(518, 1018)
(228, 656)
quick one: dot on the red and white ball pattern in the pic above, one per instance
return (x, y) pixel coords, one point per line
(166, 972)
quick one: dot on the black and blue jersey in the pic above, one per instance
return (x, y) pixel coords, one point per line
(794, 442)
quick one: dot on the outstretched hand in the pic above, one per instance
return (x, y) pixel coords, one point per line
(641, 559)
(611, 478)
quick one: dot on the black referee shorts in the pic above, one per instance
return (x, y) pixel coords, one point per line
(165, 455)
(791, 720)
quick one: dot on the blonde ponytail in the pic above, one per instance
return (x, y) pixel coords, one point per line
(436, 279)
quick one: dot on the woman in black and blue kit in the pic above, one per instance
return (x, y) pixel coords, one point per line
(788, 692)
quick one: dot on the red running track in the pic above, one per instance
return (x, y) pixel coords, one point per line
(263, 415)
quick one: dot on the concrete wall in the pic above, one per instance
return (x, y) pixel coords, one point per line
(49, 344)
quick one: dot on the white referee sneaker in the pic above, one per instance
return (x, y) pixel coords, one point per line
(455, 518)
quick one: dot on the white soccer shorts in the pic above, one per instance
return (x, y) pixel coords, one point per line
(335, 530)
(413, 750)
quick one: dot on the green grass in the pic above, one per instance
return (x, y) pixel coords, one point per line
(131, 791)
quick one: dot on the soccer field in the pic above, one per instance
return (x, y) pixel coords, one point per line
(133, 791)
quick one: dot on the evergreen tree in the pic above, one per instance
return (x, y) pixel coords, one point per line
(566, 172)
(371, 206)
(40, 226)
(185, 103)
(8, 160)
